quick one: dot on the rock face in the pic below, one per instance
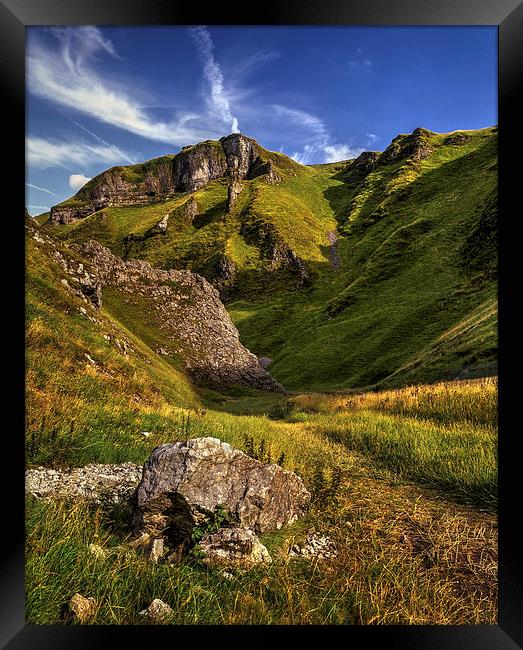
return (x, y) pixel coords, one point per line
(414, 146)
(185, 484)
(188, 311)
(98, 483)
(361, 166)
(191, 169)
(276, 251)
(231, 548)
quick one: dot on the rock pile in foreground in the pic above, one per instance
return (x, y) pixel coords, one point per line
(201, 491)
(195, 485)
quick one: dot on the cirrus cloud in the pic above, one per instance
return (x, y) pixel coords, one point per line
(42, 153)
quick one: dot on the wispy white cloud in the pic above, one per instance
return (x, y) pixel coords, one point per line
(337, 152)
(318, 142)
(65, 74)
(76, 181)
(125, 156)
(41, 189)
(42, 153)
(371, 138)
(218, 100)
(250, 63)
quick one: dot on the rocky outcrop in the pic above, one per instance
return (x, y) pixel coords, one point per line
(97, 483)
(223, 276)
(233, 190)
(79, 281)
(275, 251)
(361, 166)
(186, 484)
(415, 146)
(158, 179)
(194, 167)
(188, 312)
(457, 138)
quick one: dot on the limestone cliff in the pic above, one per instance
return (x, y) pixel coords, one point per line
(158, 179)
(188, 313)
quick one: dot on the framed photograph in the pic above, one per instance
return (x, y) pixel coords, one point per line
(262, 281)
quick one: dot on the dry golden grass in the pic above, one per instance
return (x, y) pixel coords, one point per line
(473, 401)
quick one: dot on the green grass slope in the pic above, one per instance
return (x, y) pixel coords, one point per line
(413, 295)
(91, 384)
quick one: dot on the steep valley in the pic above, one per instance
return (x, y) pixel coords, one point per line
(338, 320)
(412, 295)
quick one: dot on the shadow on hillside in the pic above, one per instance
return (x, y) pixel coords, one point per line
(211, 214)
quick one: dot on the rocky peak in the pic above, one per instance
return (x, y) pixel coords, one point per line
(415, 146)
(241, 153)
(235, 156)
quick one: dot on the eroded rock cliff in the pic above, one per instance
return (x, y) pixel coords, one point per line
(189, 170)
(187, 311)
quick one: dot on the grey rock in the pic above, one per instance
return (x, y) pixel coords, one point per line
(98, 483)
(233, 548)
(185, 483)
(233, 190)
(83, 608)
(156, 550)
(316, 546)
(189, 313)
(157, 612)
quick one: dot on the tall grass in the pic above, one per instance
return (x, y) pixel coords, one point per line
(402, 558)
(472, 401)
(443, 435)
(398, 563)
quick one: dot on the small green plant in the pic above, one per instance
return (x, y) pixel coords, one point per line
(281, 410)
(219, 517)
(326, 484)
(261, 450)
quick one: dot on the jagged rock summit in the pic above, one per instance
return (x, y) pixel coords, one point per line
(234, 156)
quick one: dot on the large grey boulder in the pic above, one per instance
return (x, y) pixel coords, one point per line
(185, 484)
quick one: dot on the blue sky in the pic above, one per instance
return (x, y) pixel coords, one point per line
(104, 96)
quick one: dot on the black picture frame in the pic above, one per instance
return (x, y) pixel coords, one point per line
(15, 15)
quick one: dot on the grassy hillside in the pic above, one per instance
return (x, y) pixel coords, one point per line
(91, 384)
(391, 476)
(405, 290)
(407, 555)
(413, 299)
